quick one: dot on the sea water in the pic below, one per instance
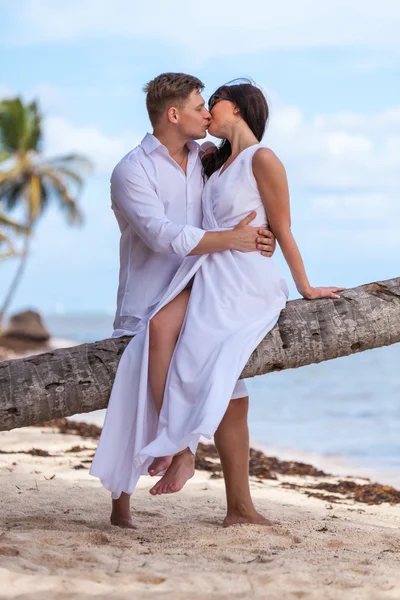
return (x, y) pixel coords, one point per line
(346, 409)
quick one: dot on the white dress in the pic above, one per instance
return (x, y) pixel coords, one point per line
(235, 301)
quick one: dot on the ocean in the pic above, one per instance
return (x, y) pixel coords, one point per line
(342, 414)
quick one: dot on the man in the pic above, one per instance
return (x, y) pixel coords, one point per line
(156, 194)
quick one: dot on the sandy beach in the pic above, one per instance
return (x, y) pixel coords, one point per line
(56, 540)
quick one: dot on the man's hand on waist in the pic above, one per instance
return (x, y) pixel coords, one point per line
(246, 238)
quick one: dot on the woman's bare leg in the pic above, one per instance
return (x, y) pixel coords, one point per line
(164, 332)
(165, 328)
(179, 471)
(231, 437)
(232, 442)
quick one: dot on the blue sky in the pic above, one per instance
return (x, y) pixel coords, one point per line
(331, 72)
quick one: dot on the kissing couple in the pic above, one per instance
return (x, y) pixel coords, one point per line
(198, 289)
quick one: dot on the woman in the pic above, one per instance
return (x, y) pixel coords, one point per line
(234, 301)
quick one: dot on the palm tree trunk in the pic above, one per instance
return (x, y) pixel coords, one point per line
(16, 280)
(76, 380)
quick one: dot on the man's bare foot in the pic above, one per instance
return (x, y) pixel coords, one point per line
(180, 470)
(121, 521)
(159, 465)
(121, 515)
(241, 517)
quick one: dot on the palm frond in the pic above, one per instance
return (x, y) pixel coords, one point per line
(5, 255)
(11, 124)
(11, 193)
(4, 238)
(13, 173)
(62, 173)
(67, 203)
(33, 194)
(4, 156)
(45, 195)
(6, 222)
(34, 127)
(11, 251)
(20, 126)
(75, 162)
(66, 172)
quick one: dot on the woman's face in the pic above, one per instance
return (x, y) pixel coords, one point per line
(222, 117)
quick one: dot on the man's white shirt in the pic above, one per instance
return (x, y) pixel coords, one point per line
(159, 213)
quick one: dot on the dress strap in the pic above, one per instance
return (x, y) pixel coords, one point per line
(249, 156)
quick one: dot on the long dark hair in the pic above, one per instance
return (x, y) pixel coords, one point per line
(253, 107)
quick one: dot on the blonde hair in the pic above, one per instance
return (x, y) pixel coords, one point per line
(168, 89)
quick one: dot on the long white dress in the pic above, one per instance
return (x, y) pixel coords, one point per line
(235, 301)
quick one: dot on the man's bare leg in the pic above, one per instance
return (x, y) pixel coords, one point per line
(121, 515)
(232, 442)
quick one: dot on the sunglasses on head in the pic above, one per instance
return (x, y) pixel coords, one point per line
(213, 100)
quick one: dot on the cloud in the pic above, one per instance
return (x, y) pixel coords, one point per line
(354, 207)
(343, 170)
(50, 96)
(337, 152)
(211, 28)
(61, 137)
(5, 92)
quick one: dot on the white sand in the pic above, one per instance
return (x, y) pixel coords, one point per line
(56, 541)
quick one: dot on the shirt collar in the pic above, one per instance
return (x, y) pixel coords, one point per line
(150, 143)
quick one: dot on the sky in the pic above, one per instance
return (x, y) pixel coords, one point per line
(331, 73)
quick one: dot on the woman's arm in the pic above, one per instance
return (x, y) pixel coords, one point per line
(272, 183)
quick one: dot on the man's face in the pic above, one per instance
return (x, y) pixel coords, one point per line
(193, 117)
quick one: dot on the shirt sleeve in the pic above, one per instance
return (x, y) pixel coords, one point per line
(134, 197)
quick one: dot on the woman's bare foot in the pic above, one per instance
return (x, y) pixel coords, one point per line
(243, 517)
(121, 515)
(159, 465)
(180, 470)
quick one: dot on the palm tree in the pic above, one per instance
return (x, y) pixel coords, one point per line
(30, 181)
(8, 224)
(79, 379)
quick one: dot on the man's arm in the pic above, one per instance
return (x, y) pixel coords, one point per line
(135, 198)
(243, 238)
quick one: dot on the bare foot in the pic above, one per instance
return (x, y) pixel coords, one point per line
(121, 515)
(159, 465)
(243, 518)
(180, 470)
(122, 521)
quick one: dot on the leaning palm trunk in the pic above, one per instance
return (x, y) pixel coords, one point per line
(79, 379)
(16, 280)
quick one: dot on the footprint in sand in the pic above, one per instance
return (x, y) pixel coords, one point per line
(335, 544)
(154, 579)
(98, 539)
(8, 551)
(146, 513)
